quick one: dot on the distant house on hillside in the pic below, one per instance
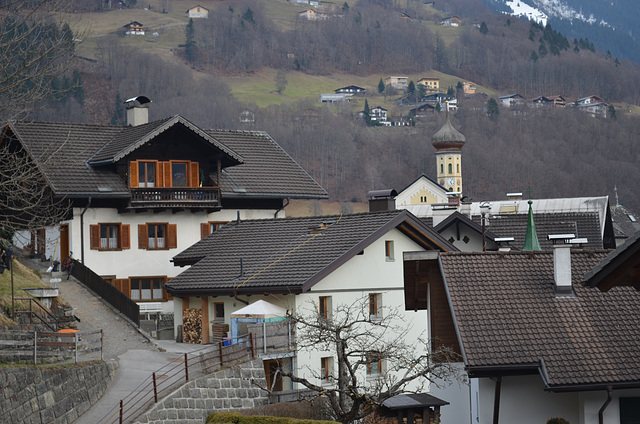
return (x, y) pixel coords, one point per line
(512, 100)
(350, 90)
(468, 88)
(332, 98)
(134, 28)
(430, 83)
(400, 83)
(198, 12)
(453, 21)
(553, 101)
(313, 15)
(423, 110)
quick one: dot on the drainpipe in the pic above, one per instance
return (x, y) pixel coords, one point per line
(286, 203)
(82, 231)
(496, 400)
(604, 405)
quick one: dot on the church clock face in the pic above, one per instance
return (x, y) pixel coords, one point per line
(451, 181)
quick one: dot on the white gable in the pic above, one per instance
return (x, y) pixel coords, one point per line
(423, 191)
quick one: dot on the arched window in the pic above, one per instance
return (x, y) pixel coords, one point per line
(450, 168)
(458, 168)
(442, 168)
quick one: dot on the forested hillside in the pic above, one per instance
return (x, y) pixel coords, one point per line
(554, 152)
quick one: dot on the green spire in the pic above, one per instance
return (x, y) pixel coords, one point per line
(531, 239)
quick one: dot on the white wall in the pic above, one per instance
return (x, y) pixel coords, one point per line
(361, 275)
(458, 394)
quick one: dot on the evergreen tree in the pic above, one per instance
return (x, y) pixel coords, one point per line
(190, 45)
(411, 88)
(492, 109)
(451, 91)
(611, 111)
(381, 86)
(248, 16)
(534, 56)
(345, 7)
(483, 28)
(542, 50)
(367, 112)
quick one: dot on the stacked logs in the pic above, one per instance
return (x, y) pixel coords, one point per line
(192, 326)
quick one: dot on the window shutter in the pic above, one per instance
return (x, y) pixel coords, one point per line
(160, 175)
(165, 294)
(205, 229)
(167, 174)
(125, 236)
(94, 237)
(133, 174)
(194, 172)
(172, 236)
(124, 286)
(143, 236)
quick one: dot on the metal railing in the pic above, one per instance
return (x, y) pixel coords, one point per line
(171, 196)
(51, 347)
(209, 359)
(40, 313)
(109, 293)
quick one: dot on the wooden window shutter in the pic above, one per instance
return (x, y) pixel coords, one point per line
(165, 294)
(194, 173)
(172, 236)
(160, 174)
(167, 174)
(94, 237)
(124, 286)
(205, 229)
(125, 236)
(133, 174)
(143, 236)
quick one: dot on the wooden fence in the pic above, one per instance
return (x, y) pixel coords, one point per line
(47, 347)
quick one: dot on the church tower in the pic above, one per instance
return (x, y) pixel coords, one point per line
(448, 142)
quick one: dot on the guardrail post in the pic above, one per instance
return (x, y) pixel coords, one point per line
(75, 347)
(155, 388)
(101, 345)
(220, 345)
(253, 352)
(121, 410)
(35, 347)
(186, 366)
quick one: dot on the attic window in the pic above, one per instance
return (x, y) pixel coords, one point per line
(632, 218)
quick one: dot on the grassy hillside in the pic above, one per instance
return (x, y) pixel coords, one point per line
(23, 277)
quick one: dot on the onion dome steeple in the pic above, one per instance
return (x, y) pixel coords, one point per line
(448, 137)
(448, 142)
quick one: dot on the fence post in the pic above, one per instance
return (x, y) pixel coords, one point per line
(35, 347)
(121, 410)
(220, 345)
(253, 352)
(75, 347)
(101, 345)
(186, 366)
(155, 388)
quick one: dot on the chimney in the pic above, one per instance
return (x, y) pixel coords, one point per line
(382, 200)
(137, 110)
(562, 269)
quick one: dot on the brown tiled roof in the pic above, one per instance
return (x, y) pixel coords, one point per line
(268, 170)
(287, 255)
(508, 315)
(582, 224)
(64, 152)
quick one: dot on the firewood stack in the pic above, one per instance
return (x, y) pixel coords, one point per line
(192, 326)
(218, 331)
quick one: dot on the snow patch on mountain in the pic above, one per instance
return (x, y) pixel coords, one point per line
(544, 9)
(520, 8)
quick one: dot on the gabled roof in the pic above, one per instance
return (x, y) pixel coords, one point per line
(620, 268)
(457, 217)
(509, 320)
(132, 138)
(287, 255)
(625, 222)
(71, 158)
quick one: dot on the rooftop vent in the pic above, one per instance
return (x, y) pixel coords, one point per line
(382, 200)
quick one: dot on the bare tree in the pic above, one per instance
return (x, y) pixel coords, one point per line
(281, 81)
(360, 343)
(35, 50)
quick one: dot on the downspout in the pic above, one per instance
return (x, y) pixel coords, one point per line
(82, 230)
(604, 405)
(496, 401)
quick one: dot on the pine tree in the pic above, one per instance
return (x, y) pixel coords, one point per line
(411, 88)
(492, 109)
(483, 28)
(190, 45)
(381, 86)
(367, 112)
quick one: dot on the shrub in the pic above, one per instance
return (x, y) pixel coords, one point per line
(231, 417)
(557, 421)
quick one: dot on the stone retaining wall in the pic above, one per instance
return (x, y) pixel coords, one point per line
(57, 395)
(229, 389)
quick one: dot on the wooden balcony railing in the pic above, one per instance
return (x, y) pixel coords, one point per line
(145, 197)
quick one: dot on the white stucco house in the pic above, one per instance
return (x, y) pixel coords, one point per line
(535, 340)
(298, 262)
(142, 193)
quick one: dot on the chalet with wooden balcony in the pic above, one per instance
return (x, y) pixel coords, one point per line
(142, 193)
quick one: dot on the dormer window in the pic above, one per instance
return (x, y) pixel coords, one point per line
(149, 173)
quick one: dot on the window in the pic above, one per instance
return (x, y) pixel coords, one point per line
(210, 227)
(458, 168)
(442, 168)
(375, 305)
(374, 364)
(629, 410)
(218, 311)
(388, 250)
(326, 370)
(147, 288)
(324, 306)
(109, 236)
(157, 236)
(179, 174)
(147, 174)
(450, 168)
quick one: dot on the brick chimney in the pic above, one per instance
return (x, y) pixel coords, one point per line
(137, 110)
